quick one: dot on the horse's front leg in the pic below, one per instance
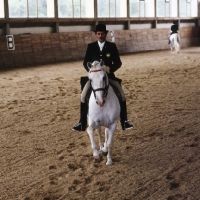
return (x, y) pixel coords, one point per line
(90, 131)
(109, 143)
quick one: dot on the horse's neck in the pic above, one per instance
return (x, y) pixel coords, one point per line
(110, 98)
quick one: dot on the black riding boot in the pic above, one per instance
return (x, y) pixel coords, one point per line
(123, 115)
(81, 125)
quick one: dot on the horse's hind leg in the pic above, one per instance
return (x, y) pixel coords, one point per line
(179, 39)
(90, 131)
(171, 46)
(176, 43)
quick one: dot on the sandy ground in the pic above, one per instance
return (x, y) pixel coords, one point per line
(41, 158)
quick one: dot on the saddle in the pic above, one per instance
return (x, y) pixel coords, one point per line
(84, 80)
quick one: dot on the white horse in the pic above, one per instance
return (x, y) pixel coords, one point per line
(104, 110)
(175, 42)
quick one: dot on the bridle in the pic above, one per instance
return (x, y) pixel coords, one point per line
(105, 89)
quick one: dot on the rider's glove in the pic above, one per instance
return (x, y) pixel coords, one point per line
(106, 68)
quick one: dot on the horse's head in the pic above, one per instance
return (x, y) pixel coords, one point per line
(99, 81)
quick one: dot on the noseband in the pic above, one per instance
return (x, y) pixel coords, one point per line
(105, 89)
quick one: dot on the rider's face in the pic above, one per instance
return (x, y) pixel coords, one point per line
(101, 36)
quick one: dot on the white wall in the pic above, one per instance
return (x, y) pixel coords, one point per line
(88, 28)
(39, 30)
(115, 27)
(74, 28)
(168, 25)
(187, 24)
(32, 30)
(140, 26)
(164, 25)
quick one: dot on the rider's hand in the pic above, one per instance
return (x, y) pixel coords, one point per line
(106, 68)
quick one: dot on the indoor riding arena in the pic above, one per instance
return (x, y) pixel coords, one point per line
(42, 48)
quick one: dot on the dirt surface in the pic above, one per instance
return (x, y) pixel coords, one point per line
(41, 158)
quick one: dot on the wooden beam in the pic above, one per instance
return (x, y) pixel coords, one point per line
(6, 10)
(6, 28)
(56, 28)
(95, 9)
(56, 9)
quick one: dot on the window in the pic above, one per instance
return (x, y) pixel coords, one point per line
(166, 8)
(173, 9)
(31, 8)
(2, 13)
(188, 8)
(76, 8)
(140, 8)
(17, 8)
(112, 8)
(105, 8)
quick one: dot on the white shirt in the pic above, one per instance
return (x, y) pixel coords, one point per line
(101, 45)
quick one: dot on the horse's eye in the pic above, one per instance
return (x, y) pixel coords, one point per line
(104, 78)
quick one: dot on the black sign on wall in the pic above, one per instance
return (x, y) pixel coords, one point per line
(10, 42)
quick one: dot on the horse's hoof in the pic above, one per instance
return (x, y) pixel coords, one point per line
(109, 162)
(96, 153)
(104, 149)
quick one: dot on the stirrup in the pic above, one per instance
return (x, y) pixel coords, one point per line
(127, 125)
(77, 127)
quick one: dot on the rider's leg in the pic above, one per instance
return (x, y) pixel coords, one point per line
(123, 114)
(81, 125)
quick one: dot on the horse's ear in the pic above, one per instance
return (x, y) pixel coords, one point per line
(89, 65)
(101, 63)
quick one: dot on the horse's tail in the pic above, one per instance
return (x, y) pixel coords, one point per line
(177, 43)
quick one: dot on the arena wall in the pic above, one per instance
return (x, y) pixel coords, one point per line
(37, 49)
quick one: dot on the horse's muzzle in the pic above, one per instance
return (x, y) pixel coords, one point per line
(100, 103)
